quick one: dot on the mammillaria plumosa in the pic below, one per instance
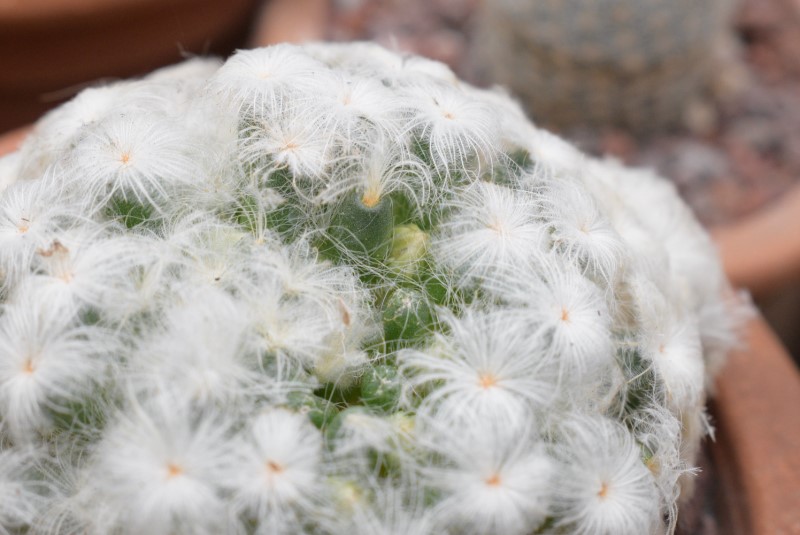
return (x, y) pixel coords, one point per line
(331, 289)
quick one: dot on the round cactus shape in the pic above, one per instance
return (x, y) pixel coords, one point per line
(330, 289)
(632, 63)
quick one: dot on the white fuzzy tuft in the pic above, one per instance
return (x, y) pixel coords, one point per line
(567, 309)
(487, 228)
(459, 129)
(47, 362)
(494, 478)
(489, 365)
(581, 233)
(140, 158)
(278, 478)
(605, 488)
(159, 470)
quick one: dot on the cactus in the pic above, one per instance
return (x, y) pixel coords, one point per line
(631, 63)
(329, 289)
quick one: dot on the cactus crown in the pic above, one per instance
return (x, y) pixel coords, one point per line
(329, 289)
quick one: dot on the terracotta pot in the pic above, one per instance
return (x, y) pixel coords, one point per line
(762, 252)
(757, 450)
(10, 141)
(53, 48)
(291, 21)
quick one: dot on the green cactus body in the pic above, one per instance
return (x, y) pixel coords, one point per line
(129, 212)
(380, 386)
(407, 316)
(320, 411)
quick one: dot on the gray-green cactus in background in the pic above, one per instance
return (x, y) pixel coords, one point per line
(332, 290)
(632, 63)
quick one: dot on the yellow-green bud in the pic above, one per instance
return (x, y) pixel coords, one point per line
(409, 246)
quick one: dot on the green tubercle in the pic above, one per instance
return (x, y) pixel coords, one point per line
(362, 225)
(380, 387)
(336, 424)
(320, 411)
(407, 316)
(284, 218)
(127, 211)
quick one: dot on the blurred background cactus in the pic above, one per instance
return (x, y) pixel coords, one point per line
(631, 63)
